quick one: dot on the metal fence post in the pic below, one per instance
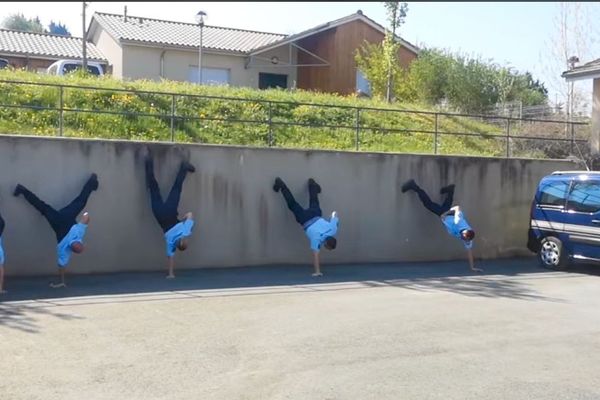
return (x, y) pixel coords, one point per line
(572, 136)
(357, 128)
(435, 137)
(61, 112)
(270, 125)
(172, 118)
(508, 138)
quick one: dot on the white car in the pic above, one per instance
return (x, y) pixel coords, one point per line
(63, 67)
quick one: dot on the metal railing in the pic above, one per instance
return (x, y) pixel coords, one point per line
(507, 129)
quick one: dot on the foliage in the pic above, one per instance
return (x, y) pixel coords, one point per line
(18, 22)
(372, 62)
(396, 14)
(58, 29)
(380, 62)
(470, 84)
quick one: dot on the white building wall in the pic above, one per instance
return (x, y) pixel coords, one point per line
(145, 63)
(111, 50)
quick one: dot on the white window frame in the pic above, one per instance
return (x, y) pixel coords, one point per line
(361, 79)
(193, 75)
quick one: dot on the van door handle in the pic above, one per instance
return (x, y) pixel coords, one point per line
(596, 221)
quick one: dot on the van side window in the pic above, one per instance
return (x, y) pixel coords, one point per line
(585, 197)
(553, 194)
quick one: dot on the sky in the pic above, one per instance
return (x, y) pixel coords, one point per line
(516, 34)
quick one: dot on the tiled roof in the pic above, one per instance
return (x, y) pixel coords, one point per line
(171, 33)
(590, 68)
(45, 45)
(331, 24)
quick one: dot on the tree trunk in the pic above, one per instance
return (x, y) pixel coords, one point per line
(388, 92)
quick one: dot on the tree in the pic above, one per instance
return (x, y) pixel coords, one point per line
(20, 23)
(430, 73)
(529, 91)
(396, 13)
(371, 61)
(505, 80)
(470, 84)
(573, 35)
(380, 63)
(58, 29)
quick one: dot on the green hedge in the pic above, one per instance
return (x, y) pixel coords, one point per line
(289, 119)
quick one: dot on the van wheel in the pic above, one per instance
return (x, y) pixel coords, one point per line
(551, 254)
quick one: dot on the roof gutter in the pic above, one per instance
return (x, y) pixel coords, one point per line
(48, 57)
(162, 46)
(573, 76)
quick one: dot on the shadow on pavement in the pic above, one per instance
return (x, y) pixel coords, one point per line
(24, 317)
(587, 269)
(450, 276)
(30, 298)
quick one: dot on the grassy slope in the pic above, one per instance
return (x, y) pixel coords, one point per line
(255, 131)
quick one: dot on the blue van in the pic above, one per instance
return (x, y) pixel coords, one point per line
(565, 219)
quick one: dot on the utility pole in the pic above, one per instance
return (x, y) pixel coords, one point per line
(83, 42)
(570, 108)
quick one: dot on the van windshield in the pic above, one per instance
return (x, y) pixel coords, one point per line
(92, 69)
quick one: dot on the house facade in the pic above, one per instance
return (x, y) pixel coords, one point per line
(36, 51)
(320, 59)
(590, 71)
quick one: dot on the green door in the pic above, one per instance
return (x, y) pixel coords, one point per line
(267, 81)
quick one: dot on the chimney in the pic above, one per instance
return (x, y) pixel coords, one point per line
(125, 14)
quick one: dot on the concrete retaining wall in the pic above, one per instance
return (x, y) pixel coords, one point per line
(239, 219)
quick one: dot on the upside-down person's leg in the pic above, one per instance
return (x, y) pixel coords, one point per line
(313, 194)
(52, 216)
(292, 204)
(425, 199)
(172, 202)
(72, 210)
(1, 257)
(449, 191)
(159, 210)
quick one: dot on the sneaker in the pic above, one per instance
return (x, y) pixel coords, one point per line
(409, 185)
(317, 274)
(278, 184)
(312, 182)
(94, 181)
(189, 167)
(446, 189)
(18, 190)
(57, 285)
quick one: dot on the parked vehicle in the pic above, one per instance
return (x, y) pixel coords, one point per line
(62, 67)
(3, 63)
(565, 219)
